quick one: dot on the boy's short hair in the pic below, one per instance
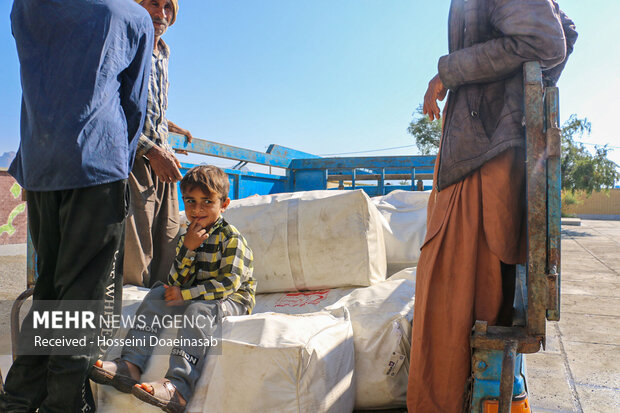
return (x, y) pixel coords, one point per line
(210, 179)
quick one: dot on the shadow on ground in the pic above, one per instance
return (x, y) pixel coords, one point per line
(575, 234)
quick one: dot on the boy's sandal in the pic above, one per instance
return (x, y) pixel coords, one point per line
(164, 396)
(113, 373)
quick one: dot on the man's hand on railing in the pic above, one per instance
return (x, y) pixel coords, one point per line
(174, 128)
(165, 165)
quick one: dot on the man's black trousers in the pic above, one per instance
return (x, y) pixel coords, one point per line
(78, 236)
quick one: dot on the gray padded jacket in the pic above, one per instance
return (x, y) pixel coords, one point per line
(489, 42)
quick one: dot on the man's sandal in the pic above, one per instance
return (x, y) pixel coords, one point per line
(113, 373)
(164, 396)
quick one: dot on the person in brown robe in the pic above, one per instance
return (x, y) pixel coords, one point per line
(476, 212)
(470, 233)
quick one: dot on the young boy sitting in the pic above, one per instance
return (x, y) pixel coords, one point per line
(211, 277)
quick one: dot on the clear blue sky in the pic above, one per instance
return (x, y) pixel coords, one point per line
(327, 76)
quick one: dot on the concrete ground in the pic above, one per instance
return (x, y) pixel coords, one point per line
(580, 369)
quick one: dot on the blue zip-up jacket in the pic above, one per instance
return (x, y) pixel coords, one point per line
(85, 66)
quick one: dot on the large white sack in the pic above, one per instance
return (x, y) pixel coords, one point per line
(312, 240)
(381, 316)
(405, 229)
(281, 363)
(269, 362)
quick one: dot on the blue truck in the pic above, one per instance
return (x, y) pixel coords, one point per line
(498, 371)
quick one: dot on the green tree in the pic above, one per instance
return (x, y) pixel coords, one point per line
(426, 133)
(581, 169)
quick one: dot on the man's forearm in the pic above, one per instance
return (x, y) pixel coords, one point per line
(174, 128)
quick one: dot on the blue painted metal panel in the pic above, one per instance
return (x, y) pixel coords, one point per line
(310, 180)
(250, 185)
(374, 190)
(186, 166)
(221, 150)
(370, 190)
(309, 174)
(245, 183)
(420, 173)
(288, 152)
(365, 175)
(373, 162)
(487, 366)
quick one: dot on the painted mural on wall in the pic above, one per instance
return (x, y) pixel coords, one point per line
(13, 221)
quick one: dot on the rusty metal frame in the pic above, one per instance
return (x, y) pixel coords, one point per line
(543, 186)
(536, 195)
(554, 204)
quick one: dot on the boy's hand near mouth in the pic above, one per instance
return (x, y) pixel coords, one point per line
(195, 235)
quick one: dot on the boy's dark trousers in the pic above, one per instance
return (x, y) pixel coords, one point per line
(78, 236)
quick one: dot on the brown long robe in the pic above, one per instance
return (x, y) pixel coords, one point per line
(473, 227)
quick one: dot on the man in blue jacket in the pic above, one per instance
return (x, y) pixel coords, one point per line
(85, 66)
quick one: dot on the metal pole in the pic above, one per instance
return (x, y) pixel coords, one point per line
(536, 179)
(17, 305)
(554, 206)
(237, 182)
(508, 377)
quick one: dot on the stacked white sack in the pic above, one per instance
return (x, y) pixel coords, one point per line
(381, 316)
(269, 362)
(405, 227)
(281, 363)
(312, 240)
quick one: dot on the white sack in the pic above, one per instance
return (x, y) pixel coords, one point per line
(281, 363)
(312, 240)
(405, 229)
(381, 316)
(269, 362)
